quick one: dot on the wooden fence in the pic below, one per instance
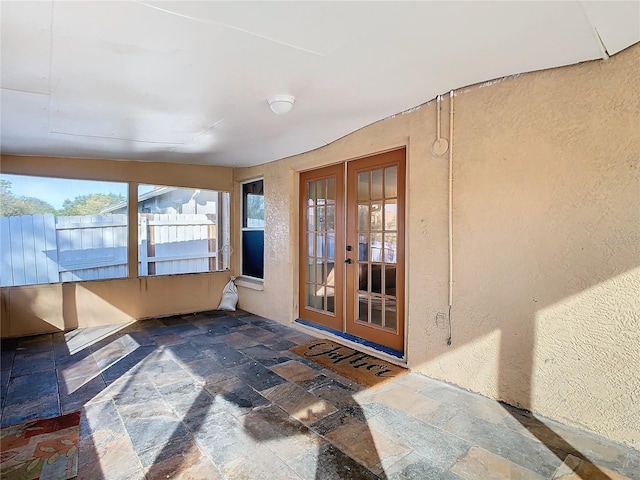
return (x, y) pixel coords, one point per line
(176, 244)
(46, 249)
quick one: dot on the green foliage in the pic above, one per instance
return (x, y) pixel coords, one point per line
(5, 187)
(11, 206)
(91, 204)
(255, 207)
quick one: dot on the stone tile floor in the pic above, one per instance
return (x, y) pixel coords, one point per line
(214, 396)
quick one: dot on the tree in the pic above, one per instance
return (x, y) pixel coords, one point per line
(91, 204)
(255, 210)
(11, 206)
(5, 187)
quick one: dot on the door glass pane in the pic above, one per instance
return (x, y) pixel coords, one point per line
(376, 278)
(390, 247)
(318, 299)
(321, 191)
(319, 272)
(390, 314)
(363, 217)
(363, 308)
(331, 280)
(331, 191)
(320, 245)
(314, 300)
(311, 219)
(376, 216)
(376, 183)
(331, 245)
(363, 186)
(326, 273)
(330, 300)
(331, 218)
(311, 193)
(389, 280)
(363, 277)
(311, 271)
(390, 215)
(376, 311)
(376, 247)
(321, 218)
(310, 243)
(391, 182)
(363, 247)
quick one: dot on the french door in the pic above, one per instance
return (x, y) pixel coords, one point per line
(352, 248)
(322, 246)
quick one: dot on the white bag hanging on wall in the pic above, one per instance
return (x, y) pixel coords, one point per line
(229, 297)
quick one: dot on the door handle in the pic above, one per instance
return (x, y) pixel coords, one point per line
(348, 260)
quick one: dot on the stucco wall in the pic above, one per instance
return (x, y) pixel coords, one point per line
(34, 309)
(546, 240)
(29, 310)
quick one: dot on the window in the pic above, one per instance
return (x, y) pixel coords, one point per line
(60, 230)
(182, 230)
(252, 237)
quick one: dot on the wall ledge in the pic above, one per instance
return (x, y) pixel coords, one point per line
(250, 283)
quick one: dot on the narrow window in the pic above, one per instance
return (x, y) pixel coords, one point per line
(253, 229)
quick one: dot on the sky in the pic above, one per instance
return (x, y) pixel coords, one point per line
(55, 191)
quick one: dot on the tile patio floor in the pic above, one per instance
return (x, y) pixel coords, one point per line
(211, 396)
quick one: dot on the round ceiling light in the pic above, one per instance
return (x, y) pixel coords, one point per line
(281, 104)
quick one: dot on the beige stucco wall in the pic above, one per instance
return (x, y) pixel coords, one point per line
(546, 240)
(34, 309)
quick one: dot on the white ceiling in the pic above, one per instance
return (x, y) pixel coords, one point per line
(185, 81)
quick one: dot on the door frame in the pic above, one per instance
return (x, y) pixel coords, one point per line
(340, 333)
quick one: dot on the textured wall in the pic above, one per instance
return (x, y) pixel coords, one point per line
(546, 240)
(547, 245)
(34, 309)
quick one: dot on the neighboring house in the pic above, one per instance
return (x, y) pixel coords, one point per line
(172, 200)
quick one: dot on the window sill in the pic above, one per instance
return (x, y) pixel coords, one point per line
(251, 283)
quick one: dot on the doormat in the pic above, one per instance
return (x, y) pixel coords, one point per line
(357, 366)
(41, 449)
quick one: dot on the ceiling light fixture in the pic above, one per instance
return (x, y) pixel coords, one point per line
(281, 104)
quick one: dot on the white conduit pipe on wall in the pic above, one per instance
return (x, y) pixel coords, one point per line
(450, 211)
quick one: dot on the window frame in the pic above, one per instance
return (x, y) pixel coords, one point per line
(218, 263)
(44, 233)
(131, 234)
(243, 229)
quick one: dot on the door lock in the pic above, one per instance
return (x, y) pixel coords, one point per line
(348, 260)
(348, 248)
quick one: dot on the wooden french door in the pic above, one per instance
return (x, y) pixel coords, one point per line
(352, 248)
(322, 246)
(375, 233)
